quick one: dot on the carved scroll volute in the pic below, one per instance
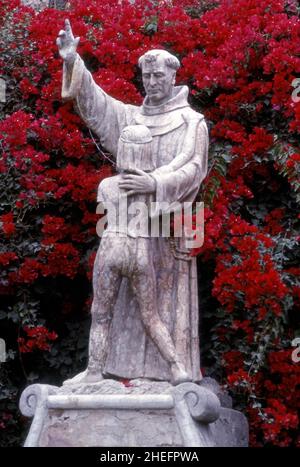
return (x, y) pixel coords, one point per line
(204, 405)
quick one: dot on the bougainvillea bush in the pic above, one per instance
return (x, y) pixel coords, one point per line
(239, 58)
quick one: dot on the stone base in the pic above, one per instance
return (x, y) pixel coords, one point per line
(144, 413)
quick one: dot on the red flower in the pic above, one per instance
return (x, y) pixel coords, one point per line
(7, 224)
(37, 339)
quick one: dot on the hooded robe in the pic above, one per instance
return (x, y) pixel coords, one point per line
(131, 353)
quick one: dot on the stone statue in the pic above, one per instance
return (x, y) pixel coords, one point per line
(145, 307)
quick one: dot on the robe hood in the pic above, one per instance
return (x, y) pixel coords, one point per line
(178, 101)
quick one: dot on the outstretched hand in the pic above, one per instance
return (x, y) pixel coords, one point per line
(137, 182)
(67, 43)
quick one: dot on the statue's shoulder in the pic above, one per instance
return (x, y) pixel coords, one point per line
(190, 114)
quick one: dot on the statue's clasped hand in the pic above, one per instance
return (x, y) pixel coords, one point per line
(137, 182)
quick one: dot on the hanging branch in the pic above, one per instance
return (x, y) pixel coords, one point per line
(111, 161)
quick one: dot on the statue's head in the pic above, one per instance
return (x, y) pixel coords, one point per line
(135, 149)
(159, 73)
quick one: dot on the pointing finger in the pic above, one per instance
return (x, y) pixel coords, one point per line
(68, 25)
(69, 29)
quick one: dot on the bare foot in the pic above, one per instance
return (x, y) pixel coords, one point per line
(179, 374)
(85, 377)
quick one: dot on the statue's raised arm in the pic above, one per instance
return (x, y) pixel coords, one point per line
(103, 114)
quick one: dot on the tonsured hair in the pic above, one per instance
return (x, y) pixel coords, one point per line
(170, 60)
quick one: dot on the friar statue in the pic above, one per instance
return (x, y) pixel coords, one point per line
(179, 148)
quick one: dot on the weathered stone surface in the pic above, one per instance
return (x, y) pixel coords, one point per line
(111, 386)
(110, 428)
(231, 429)
(146, 414)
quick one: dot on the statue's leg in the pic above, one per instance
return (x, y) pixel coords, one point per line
(105, 297)
(143, 283)
(106, 283)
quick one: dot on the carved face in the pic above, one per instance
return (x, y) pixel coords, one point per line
(158, 80)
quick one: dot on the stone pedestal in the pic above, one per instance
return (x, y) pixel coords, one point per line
(145, 414)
